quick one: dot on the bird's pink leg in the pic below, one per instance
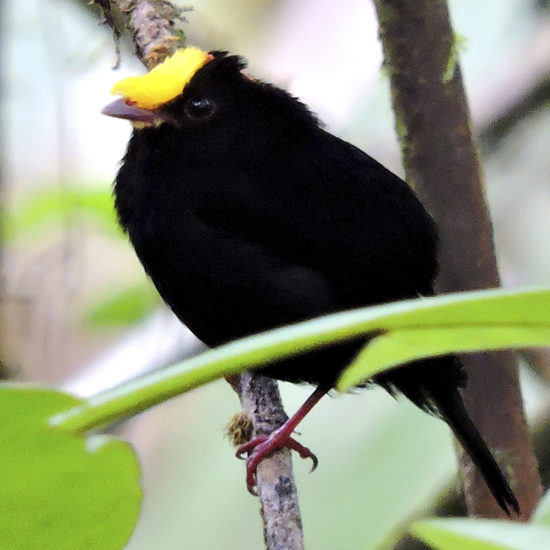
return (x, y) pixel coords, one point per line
(263, 445)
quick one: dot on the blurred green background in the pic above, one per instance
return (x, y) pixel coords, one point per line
(78, 312)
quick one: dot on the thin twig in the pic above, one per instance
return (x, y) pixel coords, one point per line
(531, 99)
(151, 25)
(275, 480)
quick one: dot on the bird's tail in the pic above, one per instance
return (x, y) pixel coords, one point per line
(433, 384)
(451, 408)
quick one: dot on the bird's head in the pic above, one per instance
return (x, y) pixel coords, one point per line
(186, 87)
(193, 89)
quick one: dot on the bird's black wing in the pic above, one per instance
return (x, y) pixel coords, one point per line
(225, 287)
(325, 204)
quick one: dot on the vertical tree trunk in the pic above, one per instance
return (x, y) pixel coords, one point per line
(442, 165)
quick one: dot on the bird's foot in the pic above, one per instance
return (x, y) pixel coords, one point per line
(264, 445)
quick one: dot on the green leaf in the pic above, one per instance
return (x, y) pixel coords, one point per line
(461, 322)
(61, 491)
(470, 534)
(124, 307)
(401, 346)
(59, 204)
(484, 318)
(541, 515)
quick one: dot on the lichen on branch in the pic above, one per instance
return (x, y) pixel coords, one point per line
(151, 24)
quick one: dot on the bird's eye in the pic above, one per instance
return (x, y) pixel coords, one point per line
(199, 109)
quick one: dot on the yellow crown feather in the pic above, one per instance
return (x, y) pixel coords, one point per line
(165, 81)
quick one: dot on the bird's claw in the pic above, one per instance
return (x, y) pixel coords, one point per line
(263, 446)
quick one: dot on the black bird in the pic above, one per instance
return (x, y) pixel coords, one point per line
(248, 215)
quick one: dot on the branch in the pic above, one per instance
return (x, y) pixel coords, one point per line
(528, 101)
(151, 24)
(441, 162)
(538, 360)
(278, 496)
(520, 93)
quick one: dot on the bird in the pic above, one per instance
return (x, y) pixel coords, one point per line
(248, 215)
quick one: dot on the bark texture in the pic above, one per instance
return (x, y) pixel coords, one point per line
(276, 488)
(150, 23)
(442, 165)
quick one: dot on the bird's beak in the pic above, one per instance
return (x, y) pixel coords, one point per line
(120, 109)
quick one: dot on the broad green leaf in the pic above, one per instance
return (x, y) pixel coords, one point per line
(471, 534)
(493, 318)
(541, 515)
(123, 308)
(470, 321)
(399, 346)
(61, 491)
